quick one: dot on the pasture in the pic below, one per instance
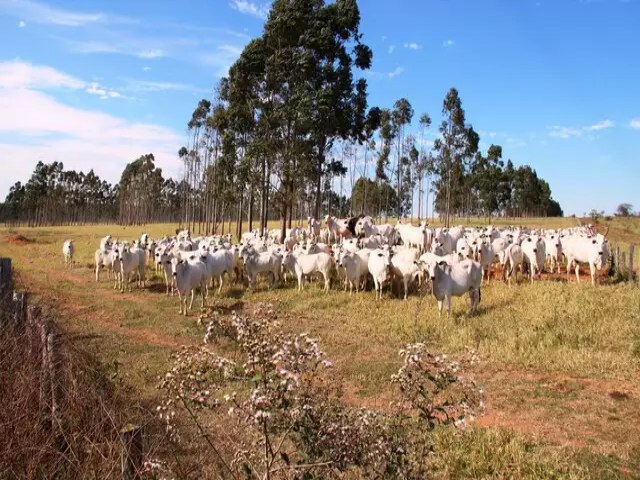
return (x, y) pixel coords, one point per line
(559, 361)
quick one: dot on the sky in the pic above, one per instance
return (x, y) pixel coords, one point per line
(555, 82)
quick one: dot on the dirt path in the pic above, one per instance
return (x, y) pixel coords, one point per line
(72, 306)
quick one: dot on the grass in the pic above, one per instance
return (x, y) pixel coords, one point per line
(560, 361)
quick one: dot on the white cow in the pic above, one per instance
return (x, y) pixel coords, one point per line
(67, 252)
(356, 267)
(463, 249)
(456, 280)
(105, 258)
(301, 264)
(404, 266)
(188, 275)
(553, 249)
(132, 261)
(512, 261)
(417, 237)
(313, 226)
(579, 249)
(533, 249)
(217, 264)
(261, 262)
(379, 265)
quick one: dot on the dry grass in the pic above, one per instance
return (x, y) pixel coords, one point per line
(561, 361)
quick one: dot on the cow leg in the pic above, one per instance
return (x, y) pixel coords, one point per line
(439, 308)
(592, 269)
(577, 272)
(448, 300)
(193, 294)
(220, 287)
(180, 302)
(406, 287)
(203, 296)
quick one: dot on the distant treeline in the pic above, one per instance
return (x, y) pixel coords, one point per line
(54, 196)
(287, 134)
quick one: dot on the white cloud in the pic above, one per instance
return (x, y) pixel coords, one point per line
(572, 132)
(565, 132)
(251, 8)
(45, 14)
(395, 72)
(82, 139)
(146, 68)
(413, 46)
(151, 53)
(448, 43)
(384, 38)
(391, 48)
(103, 93)
(600, 125)
(123, 47)
(635, 123)
(159, 86)
(22, 24)
(24, 75)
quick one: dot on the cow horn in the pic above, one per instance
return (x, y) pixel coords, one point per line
(607, 231)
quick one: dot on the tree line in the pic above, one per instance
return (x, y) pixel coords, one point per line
(289, 134)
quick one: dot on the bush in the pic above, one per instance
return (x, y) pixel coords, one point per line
(286, 416)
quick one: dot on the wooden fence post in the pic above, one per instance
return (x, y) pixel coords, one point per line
(132, 454)
(44, 369)
(623, 261)
(33, 314)
(19, 310)
(52, 363)
(5, 276)
(632, 249)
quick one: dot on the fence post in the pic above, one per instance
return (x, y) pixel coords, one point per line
(5, 276)
(33, 313)
(52, 360)
(132, 455)
(19, 309)
(623, 261)
(44, 370)
(632, 249)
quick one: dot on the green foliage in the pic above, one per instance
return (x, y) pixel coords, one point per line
(624, 210)
(373, 198)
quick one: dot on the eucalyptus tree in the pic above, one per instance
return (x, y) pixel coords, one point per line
(401, 117)
(298, 77)
(422, 164)
(457, 143)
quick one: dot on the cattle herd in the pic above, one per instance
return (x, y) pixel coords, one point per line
(451, 261)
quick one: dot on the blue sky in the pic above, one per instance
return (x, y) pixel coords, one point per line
(556, 83)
